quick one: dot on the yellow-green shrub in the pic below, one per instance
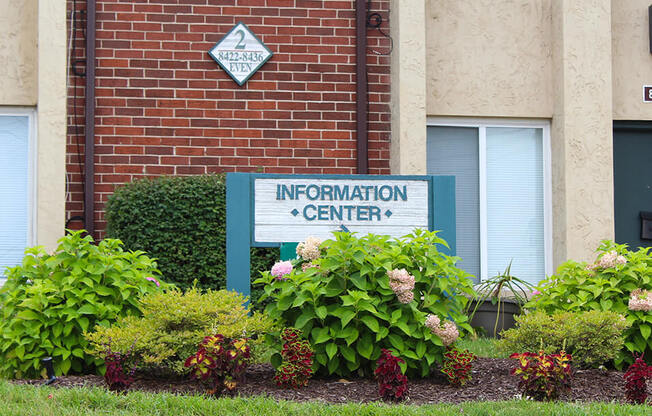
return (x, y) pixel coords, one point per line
(592, 338)
(174, 323)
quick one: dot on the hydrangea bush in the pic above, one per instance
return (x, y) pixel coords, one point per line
(619, 280)
(353, 297)
(50, 300)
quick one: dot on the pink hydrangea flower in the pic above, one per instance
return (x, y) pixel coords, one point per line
(281, 268)
(151, 279)
(447, 332)
(640, 300)
(402, 283)
(309, 249)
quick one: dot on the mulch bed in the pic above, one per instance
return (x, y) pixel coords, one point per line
(491, 382)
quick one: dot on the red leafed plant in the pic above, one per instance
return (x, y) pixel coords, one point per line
(219, 363)
(120, 368)
(457, 366)
(392, 382)
(635, 381)
(543, 376)
(297, 354)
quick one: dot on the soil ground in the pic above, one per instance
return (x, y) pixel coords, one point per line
(491, 382)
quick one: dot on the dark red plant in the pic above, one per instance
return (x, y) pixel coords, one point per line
(635, 381)
(457, 366)
(392, 384)
(219, 363)
(543, 376)
(296, 369)
(120, 368)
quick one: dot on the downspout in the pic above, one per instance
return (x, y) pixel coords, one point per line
(361, 86)
(89, 129)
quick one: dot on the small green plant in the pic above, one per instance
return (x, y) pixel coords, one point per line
(543, 376)
(608, 284)
(296, 367)
(392, 383)
(496, 289)
(352, 297)
(175, 322)
(457, 366)
(593, 337)
(219, 363)
(51, 299)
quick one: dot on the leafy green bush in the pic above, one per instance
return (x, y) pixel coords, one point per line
(174, 323)
(350, 308)
(181, 221)
(605, 285)
(592, 338)
(50, 300)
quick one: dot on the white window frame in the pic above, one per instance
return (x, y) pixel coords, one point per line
(482, 124)
(30, 112)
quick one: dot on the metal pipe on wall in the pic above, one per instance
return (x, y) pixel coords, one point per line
(361, 86)
(89, 129)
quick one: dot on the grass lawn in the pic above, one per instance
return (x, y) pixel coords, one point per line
(482, 347)
(32, 401)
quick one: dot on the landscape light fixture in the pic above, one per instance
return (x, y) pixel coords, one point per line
(47, 362)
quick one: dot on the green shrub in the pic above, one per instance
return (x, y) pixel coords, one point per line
(592, 338)
(346, 307)
(605, 285)
(174, 323)
(181, 221)
(50, 300)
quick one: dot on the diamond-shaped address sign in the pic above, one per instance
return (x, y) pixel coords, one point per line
(240, 53)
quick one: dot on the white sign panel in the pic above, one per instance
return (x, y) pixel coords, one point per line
(240, 53)
(289, 210)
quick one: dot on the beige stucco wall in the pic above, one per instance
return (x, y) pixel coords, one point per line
(18, 54)
(528, 59)
(489, 58)
(51, 122)
(408, 81)
(581, 133)
(632, 61)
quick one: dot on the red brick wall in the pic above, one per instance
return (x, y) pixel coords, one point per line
(165, 107)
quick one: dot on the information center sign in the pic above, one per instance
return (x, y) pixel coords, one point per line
(289, 210)
(273, 210)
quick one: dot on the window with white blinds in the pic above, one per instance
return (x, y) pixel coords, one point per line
(454, 151)
(15, 203)
(502, 194)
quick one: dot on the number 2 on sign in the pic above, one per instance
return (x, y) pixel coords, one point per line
(241, 44)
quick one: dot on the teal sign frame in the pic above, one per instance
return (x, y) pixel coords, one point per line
(240, 217)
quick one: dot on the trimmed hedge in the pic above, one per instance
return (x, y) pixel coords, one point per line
(181, 221)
